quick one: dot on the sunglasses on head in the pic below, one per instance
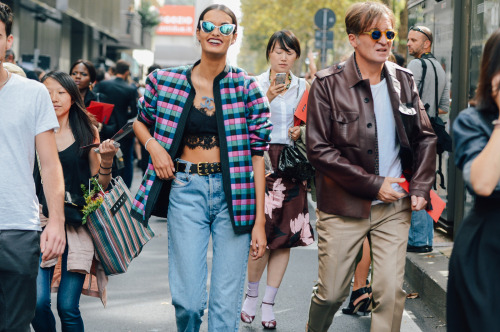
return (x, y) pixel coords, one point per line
(421, 31)
(225, 29)
(376, 34)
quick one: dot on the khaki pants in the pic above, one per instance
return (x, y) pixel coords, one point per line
(339, 241)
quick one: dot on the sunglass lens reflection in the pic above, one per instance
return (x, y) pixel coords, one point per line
(376, 35)
(207, 26)
(226, 29)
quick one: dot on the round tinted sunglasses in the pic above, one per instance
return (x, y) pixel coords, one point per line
(225, 29)
(376, 34)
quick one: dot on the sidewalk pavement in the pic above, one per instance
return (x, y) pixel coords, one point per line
(427, 274)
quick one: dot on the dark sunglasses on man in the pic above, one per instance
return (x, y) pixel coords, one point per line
(376, 34)
(421, 31)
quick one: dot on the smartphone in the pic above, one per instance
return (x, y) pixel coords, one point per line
(280, 78)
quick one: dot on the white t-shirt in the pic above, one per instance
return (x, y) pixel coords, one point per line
(388, 147)
(25, 111)
(283, 107)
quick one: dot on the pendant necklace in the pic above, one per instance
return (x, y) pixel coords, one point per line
(206, 102)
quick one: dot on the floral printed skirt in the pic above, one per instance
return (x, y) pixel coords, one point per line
(287, 215)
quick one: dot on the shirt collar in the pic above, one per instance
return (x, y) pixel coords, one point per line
(353, 74)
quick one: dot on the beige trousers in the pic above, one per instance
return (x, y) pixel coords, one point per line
(339, 241)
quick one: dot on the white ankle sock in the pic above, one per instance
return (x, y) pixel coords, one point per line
(251, 300)
(267, 310)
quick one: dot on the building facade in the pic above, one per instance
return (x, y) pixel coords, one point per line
(52, 34)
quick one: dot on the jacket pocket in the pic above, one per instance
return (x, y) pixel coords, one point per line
(407, 109)
(345, 127)
(408, 115)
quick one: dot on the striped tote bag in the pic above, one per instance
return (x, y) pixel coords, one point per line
(118, 238)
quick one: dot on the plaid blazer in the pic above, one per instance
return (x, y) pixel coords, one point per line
(242, 112)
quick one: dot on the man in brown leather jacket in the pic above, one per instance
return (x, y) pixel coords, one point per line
(365, 128)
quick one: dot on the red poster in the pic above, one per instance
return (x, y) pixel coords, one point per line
(176, 20)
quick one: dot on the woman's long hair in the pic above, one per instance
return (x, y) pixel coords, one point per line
(490, 66)
(82, 123)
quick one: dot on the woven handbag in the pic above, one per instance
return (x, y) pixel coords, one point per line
(118, 238)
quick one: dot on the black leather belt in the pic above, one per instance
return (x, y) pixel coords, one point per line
(200, 168)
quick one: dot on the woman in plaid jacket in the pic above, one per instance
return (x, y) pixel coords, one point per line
(206, 173)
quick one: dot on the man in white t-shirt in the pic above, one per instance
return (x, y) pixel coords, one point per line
(27, 118)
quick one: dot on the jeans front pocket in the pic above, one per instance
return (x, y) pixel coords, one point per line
(182, 179)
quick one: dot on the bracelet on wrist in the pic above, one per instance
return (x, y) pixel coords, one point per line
(102, 167)
(146, 144)
(496, 123)
(104, 173)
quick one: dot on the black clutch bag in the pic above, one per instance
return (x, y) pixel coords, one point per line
(294, 165)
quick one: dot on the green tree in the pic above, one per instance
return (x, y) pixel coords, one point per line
(150, 17)
(261, 18)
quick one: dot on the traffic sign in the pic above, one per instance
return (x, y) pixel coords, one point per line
(325, 18)
(320, 34)
(323, 39)
(319, 43)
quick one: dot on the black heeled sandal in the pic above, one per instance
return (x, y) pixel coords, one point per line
(366, 309)
(362, 306)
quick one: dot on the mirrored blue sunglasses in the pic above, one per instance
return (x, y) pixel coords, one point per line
(225, 29)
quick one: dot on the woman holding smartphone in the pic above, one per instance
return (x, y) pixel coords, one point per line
(472, 296)
(211, 129)
(287, 216)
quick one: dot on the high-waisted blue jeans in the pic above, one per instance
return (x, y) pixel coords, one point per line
(198, 209)
(68, 299)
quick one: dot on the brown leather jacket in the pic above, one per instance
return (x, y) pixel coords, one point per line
(340, 139)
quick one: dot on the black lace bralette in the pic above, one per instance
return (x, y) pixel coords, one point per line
(201, 130)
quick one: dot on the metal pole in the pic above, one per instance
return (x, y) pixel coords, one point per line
(323, 41)
(459, 93)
